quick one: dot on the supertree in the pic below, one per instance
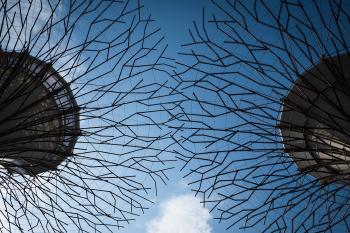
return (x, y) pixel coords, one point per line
(85, 97)
(265, 128)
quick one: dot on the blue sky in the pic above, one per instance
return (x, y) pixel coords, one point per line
(174, 18)
(175, 204)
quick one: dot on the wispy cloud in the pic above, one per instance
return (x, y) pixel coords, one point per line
(181, 214)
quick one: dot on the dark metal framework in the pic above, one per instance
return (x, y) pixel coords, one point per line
(112, 96)
(237, 70)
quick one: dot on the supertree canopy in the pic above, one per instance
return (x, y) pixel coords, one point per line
(266, 125)
(40, 121)
(85, 98)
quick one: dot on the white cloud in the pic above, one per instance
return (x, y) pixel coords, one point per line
(181, 214)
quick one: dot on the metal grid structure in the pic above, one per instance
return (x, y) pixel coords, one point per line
(243, 123)
(103, 69)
